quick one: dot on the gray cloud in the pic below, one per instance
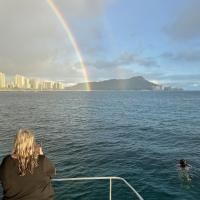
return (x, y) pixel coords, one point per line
(187, 25)
(186, 81)
(33, 42)
(29, 35)
(118, 72)
(86, 17)
(185, 56)
(181, 77)
(125, 59)
(84, 8)
(174, 78)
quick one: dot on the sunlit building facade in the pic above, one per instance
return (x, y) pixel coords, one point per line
(27, 83)
(48, 85)
(19, 81)
(58, 86)
(10, 85)
(2, 80)
(34, 84)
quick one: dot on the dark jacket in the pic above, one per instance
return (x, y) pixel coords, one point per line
(36, 186)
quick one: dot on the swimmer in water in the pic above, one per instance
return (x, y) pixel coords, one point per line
(183, 164)
(184, 168)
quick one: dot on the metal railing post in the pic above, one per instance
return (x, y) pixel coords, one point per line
(110, 194)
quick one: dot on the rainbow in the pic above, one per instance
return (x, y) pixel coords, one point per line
(72, 39)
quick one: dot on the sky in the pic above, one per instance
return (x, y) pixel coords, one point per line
(156, 39)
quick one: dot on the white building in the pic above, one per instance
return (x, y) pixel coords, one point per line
(48, 85)
(27, 84)
(2, 80)
(34, 84)
(10, 85)
(19, 81)
(58, 86)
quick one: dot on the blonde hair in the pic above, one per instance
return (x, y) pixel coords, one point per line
(25, 151)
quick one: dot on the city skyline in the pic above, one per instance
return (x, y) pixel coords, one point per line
(23, 82)
(117, 39)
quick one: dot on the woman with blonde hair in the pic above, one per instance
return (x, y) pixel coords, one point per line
(26, 173)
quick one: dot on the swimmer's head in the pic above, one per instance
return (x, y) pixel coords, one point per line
(183, 163)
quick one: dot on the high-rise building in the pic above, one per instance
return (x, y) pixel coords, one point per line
(58, 86)
(34, 84)
(48, 85)
(27, 83)
(19, 81)
(10, 85)
(2, 80)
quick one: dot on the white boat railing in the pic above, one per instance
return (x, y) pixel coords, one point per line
(102, 178)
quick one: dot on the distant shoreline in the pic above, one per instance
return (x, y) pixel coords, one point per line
(25, 90)
(136, 83)
(97, 90)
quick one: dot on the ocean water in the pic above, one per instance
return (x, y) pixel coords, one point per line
(139, 136)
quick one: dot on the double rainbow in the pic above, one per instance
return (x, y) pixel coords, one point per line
(72, 39)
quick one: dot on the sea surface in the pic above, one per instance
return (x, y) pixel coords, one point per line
(139, 136)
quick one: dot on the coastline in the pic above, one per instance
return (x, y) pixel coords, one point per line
(67, 90)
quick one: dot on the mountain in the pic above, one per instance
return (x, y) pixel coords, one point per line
(134, 83)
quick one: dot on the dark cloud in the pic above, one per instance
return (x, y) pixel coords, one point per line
(185, 56)
(33, 42)
(112, 73)
(30, 36)
(181, 78)
(85, 20)
(187, 25)
(84, 8)
(125, 59)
